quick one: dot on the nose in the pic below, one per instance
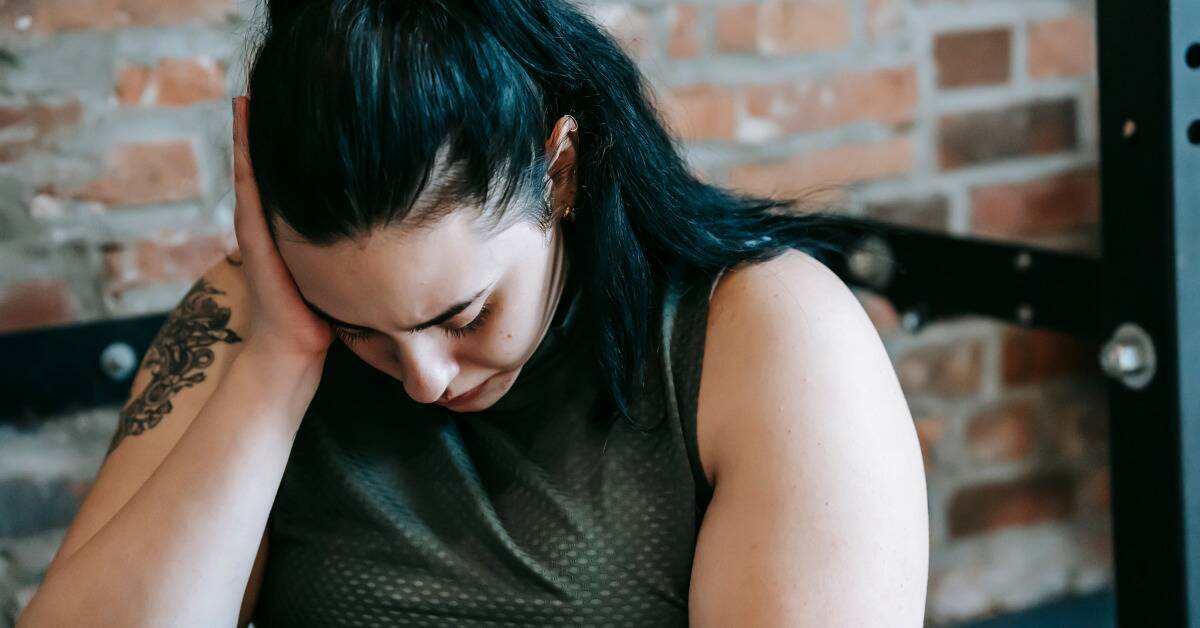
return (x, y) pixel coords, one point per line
(426, 368)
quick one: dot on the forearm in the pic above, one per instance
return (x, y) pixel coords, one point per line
(179, 552)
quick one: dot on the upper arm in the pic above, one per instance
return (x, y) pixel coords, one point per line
(818, 514)
(186, 360)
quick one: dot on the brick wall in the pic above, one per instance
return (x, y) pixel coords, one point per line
(966, 116)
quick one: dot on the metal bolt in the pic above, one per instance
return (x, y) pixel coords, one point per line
(1023, 261)
(1129, 356)
(118, 361)
(1025, 313)
(1123, 359)
(871, 262)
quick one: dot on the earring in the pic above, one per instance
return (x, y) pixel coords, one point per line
(568, 213)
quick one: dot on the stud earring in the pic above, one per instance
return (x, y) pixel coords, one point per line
(569, 213)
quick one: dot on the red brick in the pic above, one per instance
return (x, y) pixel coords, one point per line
(701, 112)
(1021, 502)
(133, 85)
(930, 212)
(1004, 433)
(173, 257)
(173, 82)
(34, 124)
(737, 28)
(1033, 355)
(1081, 424)
(973, 57)
(949, 369)
(1062, 47)
(1038, 128)
(145, 173)
(796, 26)
(37, 303)
(48, 16)
(822, 174)
(888, 96)
(685, 35)
(1048, 206)
(1095, 491)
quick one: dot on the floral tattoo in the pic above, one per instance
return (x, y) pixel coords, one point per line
(177, 358)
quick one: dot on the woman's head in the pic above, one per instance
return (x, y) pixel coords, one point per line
(410, 179)
(410, 154)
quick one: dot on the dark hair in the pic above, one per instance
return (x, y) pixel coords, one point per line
(356, 104)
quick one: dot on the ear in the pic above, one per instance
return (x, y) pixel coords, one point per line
(561, 149)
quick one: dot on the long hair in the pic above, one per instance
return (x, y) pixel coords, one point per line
(369, 112)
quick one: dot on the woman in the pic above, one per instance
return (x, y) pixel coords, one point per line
(571, 384)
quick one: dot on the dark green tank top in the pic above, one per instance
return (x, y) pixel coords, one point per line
(547, 509)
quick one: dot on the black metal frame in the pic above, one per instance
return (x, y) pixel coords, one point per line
(1150, 180)
(49, 371)
(1148, 276)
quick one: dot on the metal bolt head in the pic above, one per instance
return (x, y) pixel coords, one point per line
(1025, 313)
(118, 361)
(1120, 358)
(1023, 261)
(1129, 356)
(871, 262)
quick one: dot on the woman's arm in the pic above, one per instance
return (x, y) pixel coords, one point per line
(172, 526)
(819, 515)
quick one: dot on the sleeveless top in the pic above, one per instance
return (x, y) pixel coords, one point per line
(547, 509)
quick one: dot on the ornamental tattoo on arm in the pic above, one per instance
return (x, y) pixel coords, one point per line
(177, 358)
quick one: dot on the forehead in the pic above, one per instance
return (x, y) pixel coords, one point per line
(396, 275)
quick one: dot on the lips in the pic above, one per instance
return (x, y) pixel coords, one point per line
(464, 397)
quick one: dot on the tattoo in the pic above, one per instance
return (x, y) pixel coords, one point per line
(177, 358)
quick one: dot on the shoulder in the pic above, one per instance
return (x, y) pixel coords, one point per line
(783, 289)
(818, 514)
(785, 339)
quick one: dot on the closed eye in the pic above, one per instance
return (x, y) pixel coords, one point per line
(354, 336)
(474, 325)
(349, 337)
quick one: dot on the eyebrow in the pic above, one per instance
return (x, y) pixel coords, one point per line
(447, 314)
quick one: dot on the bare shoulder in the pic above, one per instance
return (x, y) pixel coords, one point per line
(787, 332)
(818, 515)
(790, 286)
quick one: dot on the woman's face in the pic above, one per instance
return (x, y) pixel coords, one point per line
(449, 309)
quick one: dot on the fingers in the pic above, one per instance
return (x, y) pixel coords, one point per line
(250, 224)
(243, 173)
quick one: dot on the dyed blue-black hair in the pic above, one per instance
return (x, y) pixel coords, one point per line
(366, 113)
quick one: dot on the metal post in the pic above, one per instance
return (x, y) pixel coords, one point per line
(1150, 171)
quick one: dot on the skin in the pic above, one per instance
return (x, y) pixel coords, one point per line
(818, 516)
(516, 273)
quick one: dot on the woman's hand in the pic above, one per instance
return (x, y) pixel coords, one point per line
(280, 322)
